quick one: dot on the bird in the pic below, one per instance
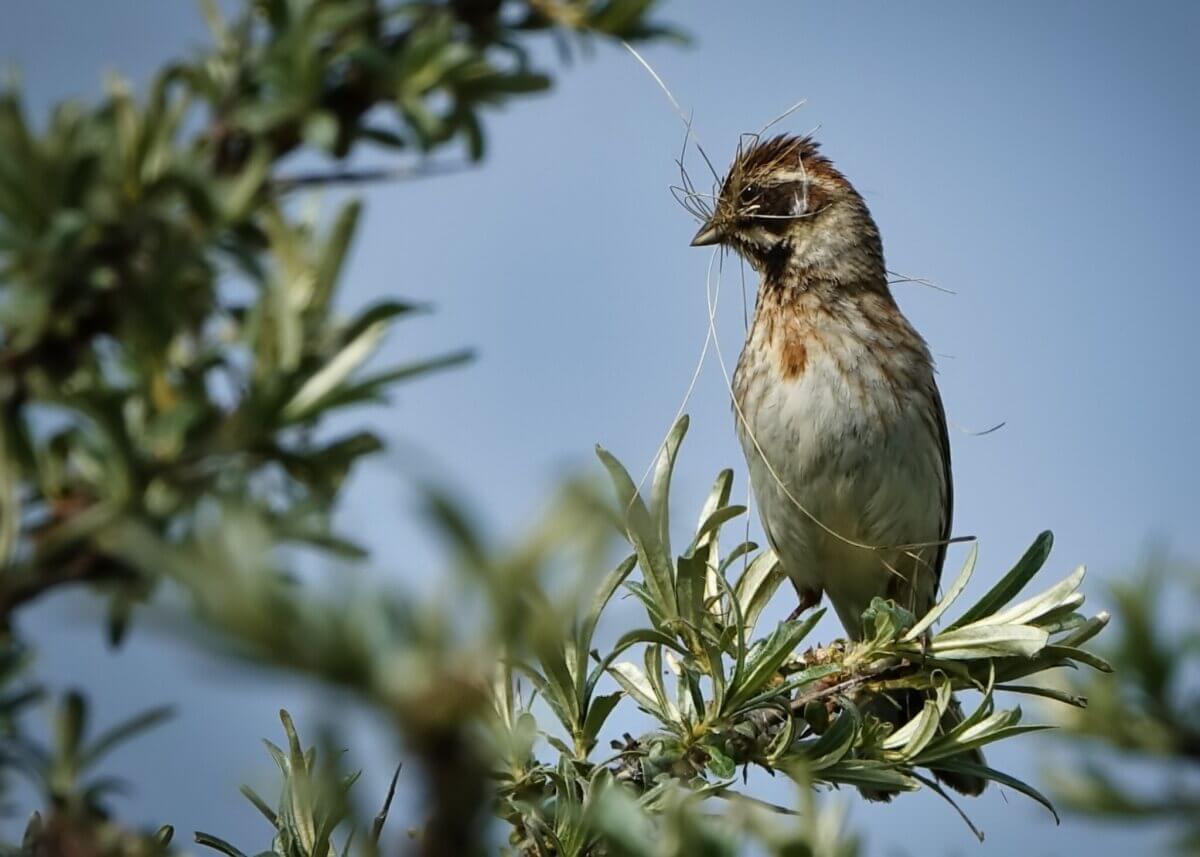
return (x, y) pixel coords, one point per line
(835, 399)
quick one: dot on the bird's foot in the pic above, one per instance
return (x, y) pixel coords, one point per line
(809, 598)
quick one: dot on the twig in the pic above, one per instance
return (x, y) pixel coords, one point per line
(370, 175)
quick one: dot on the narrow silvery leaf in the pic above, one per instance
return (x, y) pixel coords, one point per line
(597, 714)
(608, 586)
(1084, 657)
(994, 641)
(300, 809)
(1053, 623)
(1012, 583)
(1047, 692)
(334, 255)
(737, 553)
(716, 672)
(634, 682)
(837, 741)
(654, 675)
(755, 588)
(965, 733)
(690, 578)
(871, 774)
(652, 553)
(912, 737)
(710, 525)
(1061, 594)
(337, 370)
(660, 485)
(117, 735)
(1088, 630)
(560, 682)
(216, 843)
(774, 651)
(958, 765)
(717, 498)
(956, 588)
(793, 682)
(1002, 733)
(628, 639)
(502, 693)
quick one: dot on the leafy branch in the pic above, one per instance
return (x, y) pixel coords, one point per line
(722, 692)
(1149, 717)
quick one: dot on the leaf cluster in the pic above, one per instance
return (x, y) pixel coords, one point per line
(1147, 716)
(724, 696)
(173, 344)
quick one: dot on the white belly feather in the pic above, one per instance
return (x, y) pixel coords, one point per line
(862, 458)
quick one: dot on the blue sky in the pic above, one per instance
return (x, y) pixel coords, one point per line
(1038, 159)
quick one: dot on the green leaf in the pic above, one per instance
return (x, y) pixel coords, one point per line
(1086, 631)
(960, 766)
(628, 639)
(207, 840)
(718, 497)
(560, 683)
(597, 714)
(261, 805)
(652, 554)
(911, 738)
(1070, 653)
(692, 570)
(720, 764)
(833, 746)
(713, 523)
(989, 641)
(323, 382)
(553, 699)
(604, 593)
(333, 256)
(755, 588)
(660, 485)
(654, 676)
(982, 740)
(956, 588)
(70, 724)
(794, 682)
(1047, 692)
(1012, 583)
(885, 619)
(1062, 595)
(119, 734)
(300, 810)
(766, 662)
(870, 774)
(634, 682)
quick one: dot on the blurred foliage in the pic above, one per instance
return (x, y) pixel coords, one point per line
(724, 697)
(1139, 737)
(313, 804)
(173, 358)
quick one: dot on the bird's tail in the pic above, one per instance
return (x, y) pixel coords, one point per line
(902, 707)
(971, 785)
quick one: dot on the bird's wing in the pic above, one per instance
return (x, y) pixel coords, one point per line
(948, 479)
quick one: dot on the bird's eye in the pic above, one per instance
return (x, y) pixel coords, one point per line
(749, 194)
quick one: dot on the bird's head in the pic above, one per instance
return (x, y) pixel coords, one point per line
(784, 207)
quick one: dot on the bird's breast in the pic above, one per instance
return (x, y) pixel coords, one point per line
(841, 436)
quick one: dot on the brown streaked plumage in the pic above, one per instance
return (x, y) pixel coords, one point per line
(837, 408)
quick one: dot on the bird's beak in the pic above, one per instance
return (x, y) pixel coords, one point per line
(708, 235)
